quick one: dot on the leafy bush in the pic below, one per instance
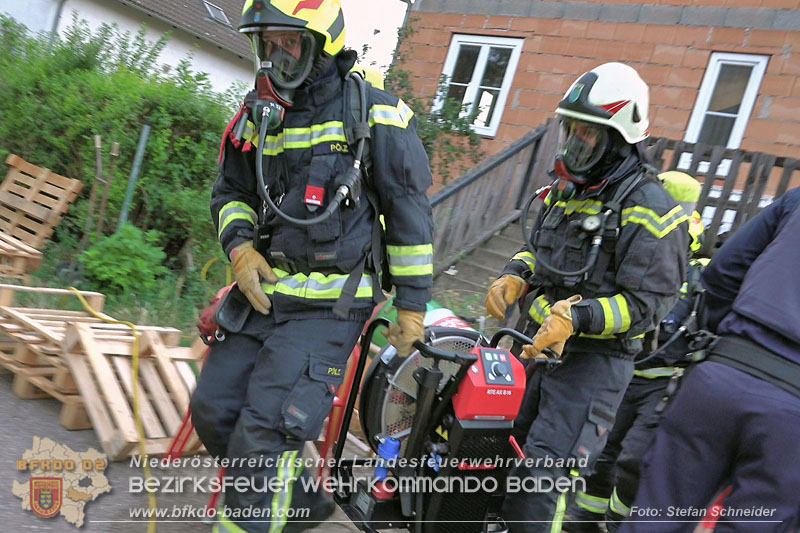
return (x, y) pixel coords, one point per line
(128, 262)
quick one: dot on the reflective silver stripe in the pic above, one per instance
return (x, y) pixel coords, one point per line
(411, 260)
(593, 504)
(617, 506)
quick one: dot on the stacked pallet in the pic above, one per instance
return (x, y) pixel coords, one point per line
(33, 200)
(87, 364)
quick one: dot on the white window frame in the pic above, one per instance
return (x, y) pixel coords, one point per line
(213, 15)
(707, 86)
(485, 42)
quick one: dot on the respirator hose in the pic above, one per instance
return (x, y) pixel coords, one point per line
(597, 240)
(263, 190)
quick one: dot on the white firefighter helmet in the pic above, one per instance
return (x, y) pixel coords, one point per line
(612, 94)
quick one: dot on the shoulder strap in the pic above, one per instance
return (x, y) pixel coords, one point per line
(595, 279)
(356, 118)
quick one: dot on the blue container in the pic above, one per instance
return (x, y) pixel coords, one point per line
(388, 451)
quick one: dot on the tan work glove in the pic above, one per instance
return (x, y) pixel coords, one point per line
(249, 267)
(504, 291)
(409, 328)
(555, 330)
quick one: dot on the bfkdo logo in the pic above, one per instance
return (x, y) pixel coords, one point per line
(62, 481)
(46, 495)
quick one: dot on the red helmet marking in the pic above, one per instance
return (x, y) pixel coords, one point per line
(615, 106)
(307, 4)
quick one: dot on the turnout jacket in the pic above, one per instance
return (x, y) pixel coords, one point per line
(301, 162)
(639, 271)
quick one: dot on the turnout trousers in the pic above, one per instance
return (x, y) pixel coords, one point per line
(564, 423)
(611, 488)
(724, 427)
(262, 393)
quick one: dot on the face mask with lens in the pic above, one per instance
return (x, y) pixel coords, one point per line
(581, 145)
(284, 58)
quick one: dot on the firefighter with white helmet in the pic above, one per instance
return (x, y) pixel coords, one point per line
(604, 263)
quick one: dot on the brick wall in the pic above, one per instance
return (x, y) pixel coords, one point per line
(668, 42)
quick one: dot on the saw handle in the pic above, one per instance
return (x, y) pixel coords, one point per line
(439, 355)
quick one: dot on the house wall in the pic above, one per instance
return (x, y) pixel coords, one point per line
(223, 67)
(668, 42)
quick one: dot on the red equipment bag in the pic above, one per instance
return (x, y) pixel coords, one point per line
(209, 329)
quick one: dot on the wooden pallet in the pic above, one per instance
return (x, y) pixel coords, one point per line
(102, 370)
(55, 381)
(33, 200)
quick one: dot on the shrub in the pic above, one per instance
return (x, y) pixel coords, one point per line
(128, 262)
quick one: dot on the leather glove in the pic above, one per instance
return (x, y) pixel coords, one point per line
(409, 328)
(555, 330)
(249, 267)
(504, 291)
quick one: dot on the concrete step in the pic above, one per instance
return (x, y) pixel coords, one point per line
(488, 259)
(477, 274)
(503, 245)
(514, 231)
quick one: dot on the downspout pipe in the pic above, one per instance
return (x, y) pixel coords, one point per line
(56, 22)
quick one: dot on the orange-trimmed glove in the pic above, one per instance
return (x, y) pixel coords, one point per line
(249, 267)
(555, 330)
(409, 328)
(504, 291)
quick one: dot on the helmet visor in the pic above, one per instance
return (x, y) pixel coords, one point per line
(286, 54)
(581, 144)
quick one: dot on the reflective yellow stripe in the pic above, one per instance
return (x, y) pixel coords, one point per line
(527, 258)
(617, 506)
(413, 260)
(282, 501)
(593, 504)
(416, 249)
(590, 207)
(227, 525)
(235, 211)
(616, 315)
(292, 138)
(561, 507)
(659, 372)
(316, 286)
(655, 224)
(398, 116)
(540, 309)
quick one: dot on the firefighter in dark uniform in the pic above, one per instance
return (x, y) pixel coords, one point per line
(611, 488)
(608, 260)
(736, 419)
(304, 292)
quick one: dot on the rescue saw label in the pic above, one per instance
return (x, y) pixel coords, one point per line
(498, 392)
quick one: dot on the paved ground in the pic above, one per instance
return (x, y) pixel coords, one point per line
(21, 420)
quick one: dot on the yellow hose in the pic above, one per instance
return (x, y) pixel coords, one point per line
(136, 415)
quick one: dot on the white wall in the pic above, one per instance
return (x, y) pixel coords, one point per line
(363, 17)
(223, 67)
(37, 15)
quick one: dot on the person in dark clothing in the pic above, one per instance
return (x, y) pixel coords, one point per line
(611, 488)
(594, 311)
(736, 418)
(305, 288)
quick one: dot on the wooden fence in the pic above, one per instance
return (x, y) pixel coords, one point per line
(737, 184)
(489, 196)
